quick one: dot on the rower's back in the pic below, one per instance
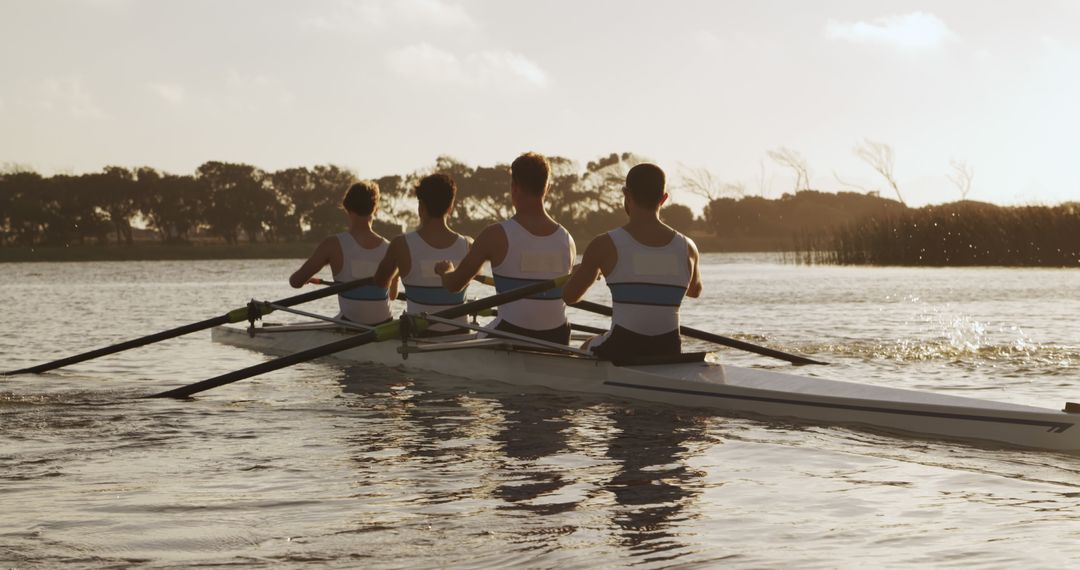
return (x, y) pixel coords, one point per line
(431, 243)
(649, 269)
(534, 254)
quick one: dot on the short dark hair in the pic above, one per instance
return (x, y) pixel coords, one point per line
(530, 172)
(645, 183)
(361, 198)
(436, 192)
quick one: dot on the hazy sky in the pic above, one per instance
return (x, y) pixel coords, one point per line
(386, 86)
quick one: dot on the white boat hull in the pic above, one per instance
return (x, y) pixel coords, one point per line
(708, 385)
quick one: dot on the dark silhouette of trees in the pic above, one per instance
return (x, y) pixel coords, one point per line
(237, 202)
(678, 216)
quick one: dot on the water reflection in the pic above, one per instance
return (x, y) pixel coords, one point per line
(533, 427)
(495, 452)
(654, 485)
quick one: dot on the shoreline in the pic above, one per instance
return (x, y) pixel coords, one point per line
(156, 251)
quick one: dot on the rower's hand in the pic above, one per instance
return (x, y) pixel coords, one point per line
(443, 267)
(317, 281)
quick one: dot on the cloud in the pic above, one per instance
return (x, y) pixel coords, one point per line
(68, 94)
(169, 92)
(428, 64)
(256, 92)
(367, 15)
(914, 31)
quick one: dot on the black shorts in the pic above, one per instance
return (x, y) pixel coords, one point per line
(624, 342)
(559, 335)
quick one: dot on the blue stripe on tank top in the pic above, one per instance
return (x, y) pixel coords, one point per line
(434, 295)
(367, 293)
(647, 294)
(504, 284)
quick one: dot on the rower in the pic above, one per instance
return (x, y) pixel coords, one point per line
(528, 248)
(352, 255)
(413, 255)
(649, 268)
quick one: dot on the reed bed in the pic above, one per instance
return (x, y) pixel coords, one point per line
(955, 234)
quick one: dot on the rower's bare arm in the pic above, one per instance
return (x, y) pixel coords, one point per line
(393, 291)
(319, 259)
(387, 272)
(456, 278)
(695, 287)
(588, 271)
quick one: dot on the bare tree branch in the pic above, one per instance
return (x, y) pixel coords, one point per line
(880, 157)
(787, 157)
(963, 175)
(842, 182)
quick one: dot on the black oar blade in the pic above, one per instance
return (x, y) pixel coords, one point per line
(381, 332)
(233, 316)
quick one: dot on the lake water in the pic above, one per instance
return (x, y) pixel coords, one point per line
(337, 466)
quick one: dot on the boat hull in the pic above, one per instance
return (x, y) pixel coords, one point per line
(708, 385)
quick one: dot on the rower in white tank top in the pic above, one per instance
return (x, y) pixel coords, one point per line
(647, 285)
(530, 259)
(368, 305)
(423, 286)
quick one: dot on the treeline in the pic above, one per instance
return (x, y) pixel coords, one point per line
(865, 229)
(759, 224)
(235, 202)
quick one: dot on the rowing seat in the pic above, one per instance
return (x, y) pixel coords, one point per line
(682, 358)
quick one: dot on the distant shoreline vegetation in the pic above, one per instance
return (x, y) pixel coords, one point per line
(955, 234)
(237, 211)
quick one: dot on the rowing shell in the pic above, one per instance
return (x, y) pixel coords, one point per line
(699, 383)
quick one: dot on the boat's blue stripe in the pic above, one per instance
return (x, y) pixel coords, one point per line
(1056, 427)
(647, 294)
(367, 293)
(504, 284)
(434, 295)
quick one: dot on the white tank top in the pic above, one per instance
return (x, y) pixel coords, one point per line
(648, 283)
(367, 305)
(423, 286)
(532, 259)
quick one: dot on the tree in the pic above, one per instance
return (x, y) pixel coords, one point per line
(116, 194)
(880, 157)
(239, 199)
(792, 159)
(328, 186)
(702, 182)
(962, 177)
(678, 216)
(174, 206)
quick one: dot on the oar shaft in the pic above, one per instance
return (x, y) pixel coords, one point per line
(381, 332)
(233, 316)
(708, 336)
(126, 345)
(271, 365)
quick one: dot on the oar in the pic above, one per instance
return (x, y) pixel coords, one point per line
(234, 316)
(382, 332)
(708, 336)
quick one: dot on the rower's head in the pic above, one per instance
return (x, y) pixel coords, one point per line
(529, 175)
(362, 199)
(644, 188)
(435, 195)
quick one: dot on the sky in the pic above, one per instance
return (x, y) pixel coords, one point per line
(384, 87)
